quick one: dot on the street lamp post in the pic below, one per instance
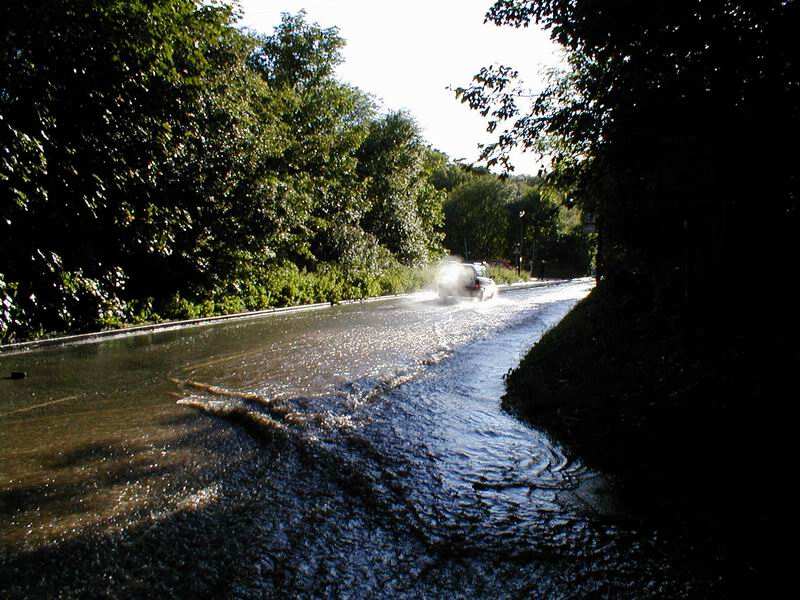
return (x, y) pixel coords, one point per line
(519, 246)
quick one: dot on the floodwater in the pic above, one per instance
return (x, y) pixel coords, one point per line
(358, 451)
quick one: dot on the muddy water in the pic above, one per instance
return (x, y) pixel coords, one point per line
(357, 451)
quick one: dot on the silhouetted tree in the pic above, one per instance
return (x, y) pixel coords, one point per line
(667, 127)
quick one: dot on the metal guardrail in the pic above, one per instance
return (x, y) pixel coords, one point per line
(98, 336)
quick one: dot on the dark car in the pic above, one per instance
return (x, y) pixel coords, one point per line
(465, 280)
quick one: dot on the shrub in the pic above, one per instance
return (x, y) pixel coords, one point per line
(503, 274)
(96, 303)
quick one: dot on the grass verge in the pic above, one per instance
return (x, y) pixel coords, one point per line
(686, 419)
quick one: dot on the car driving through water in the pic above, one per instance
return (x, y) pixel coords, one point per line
(465, 280)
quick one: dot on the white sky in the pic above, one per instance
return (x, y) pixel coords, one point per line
(407, 53)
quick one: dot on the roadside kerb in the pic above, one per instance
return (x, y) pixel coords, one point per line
(98, 336)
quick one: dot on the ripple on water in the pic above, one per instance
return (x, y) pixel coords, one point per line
(426, 395)
(398, 407)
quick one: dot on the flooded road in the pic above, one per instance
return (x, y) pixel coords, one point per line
(358, 451)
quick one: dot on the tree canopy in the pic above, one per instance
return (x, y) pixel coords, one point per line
(512, 219)
(666, 126)
(153, 150)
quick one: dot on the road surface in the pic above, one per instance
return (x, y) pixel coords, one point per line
(357, 452)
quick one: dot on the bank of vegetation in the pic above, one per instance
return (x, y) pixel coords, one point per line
(160, 162)
(522, 219)
(665, 128)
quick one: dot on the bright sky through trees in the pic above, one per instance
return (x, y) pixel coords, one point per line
(408, 53)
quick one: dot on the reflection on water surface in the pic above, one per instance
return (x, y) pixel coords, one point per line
(357, 450)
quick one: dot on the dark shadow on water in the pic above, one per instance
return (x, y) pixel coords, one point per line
(246, 520)
(99, 466)
(179, 420)
(67, 499)
(174, 547)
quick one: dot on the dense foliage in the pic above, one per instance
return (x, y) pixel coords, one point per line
(666, 127)
(489, 217)
(405, 209)
(158, 161)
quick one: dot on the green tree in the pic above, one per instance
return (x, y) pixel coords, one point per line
(405, 209)
(97, 102)
(477, 219)
(155, 156)
(552, 236)
(445, 174)
(323, 124)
